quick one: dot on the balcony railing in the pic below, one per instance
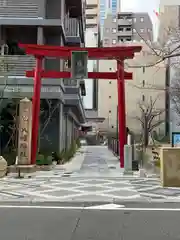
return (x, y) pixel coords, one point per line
(16, 65)
(70, 82)
(19, 8)
(71, 26)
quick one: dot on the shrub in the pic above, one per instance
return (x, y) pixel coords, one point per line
(78, 142)
(43, 160)
(157, 163)
(70, 152)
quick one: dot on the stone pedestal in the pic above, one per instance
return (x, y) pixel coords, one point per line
(25, 128)
(3, 167)
(170, 167)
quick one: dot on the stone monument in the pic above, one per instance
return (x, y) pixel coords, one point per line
(25, 128)
(170, 166)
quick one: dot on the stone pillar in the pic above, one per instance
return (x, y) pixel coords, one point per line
(128, 159)
(61, 133)
(40, 35)
(25, 128)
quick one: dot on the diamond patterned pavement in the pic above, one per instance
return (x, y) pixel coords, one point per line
(92, 176)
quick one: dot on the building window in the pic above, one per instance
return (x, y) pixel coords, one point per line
(134, 20)
(143, 98)
(142, 19)
(128, 29)
(141, 30)
(107, 30)
(143, 83)
(114, 19)
(109, 97)
(114, 41)
(120, 29)
(149, 30)
(143, 69)
(106, 41)
(114, 30)
(134, 30)
(129, 19)
(128, 39)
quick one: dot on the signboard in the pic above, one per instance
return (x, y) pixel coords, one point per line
(175, 139)
(79, 60)
(22, 88)
(24, 141)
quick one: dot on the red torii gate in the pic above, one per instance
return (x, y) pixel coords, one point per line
(112, 53)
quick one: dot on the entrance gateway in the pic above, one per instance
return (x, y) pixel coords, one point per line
(111, 53)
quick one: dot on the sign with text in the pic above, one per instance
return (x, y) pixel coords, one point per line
(24, 140)
(79, 60)
(175, 139)
(170, 167)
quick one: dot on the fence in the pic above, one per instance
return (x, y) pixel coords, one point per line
(113, 145)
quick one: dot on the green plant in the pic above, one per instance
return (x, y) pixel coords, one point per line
(78, 143)
(158, 163)
(43, 160)
(60, 157)
(70, 152)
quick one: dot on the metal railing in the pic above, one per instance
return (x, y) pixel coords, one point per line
(19, 9)
(16, 65)
(71, 27)
(113, 145)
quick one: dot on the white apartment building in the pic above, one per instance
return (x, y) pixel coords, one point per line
(92, 16)
(92, 40)
(148, 83)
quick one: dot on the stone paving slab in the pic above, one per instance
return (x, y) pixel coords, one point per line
(94, 175)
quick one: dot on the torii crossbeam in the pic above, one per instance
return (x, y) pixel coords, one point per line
(112, 53)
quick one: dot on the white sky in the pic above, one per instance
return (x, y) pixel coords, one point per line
(141, 6)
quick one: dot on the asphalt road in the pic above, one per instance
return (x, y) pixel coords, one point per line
(80, 224)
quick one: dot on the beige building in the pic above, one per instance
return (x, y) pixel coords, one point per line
(169, 19)
(92, 15)
(148, 83)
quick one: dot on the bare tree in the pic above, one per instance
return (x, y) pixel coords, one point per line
(149, 119)
(175, 92)
(169, 48)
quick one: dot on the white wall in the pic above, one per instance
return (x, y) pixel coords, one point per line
(91, 41)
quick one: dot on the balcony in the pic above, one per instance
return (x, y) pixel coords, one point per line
(14, 65)
(91, 21)
(74, 31)
(125, 33)
(76, 103)
(73, 86)
(92, 12)
(124, 22)
(19, 9)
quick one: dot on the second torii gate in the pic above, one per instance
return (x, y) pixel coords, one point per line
(112, 53)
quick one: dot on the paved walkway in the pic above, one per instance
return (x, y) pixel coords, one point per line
(92, 176)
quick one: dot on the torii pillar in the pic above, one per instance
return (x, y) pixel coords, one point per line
(111, 53)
